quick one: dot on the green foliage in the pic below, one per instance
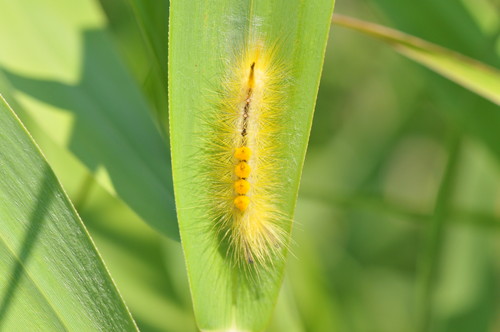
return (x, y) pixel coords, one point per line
(79, 94)
(397, 216)
(224, 297)
(52, 276)
(471, 74)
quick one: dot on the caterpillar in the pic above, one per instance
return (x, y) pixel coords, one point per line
(243, 146)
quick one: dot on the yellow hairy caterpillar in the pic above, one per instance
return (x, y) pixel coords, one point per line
(243, 143)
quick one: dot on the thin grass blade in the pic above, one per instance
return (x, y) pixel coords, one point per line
(471, 74)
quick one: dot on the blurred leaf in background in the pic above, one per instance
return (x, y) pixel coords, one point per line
(77, 92)
(469, 73)
(394, 126)
(140, 29)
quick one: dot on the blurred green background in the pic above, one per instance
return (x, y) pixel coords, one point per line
(397, 225)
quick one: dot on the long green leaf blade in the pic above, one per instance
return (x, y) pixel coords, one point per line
(203, 35)
(471, 74)
(51, 276)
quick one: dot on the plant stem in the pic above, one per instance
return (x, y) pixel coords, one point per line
(435, 233)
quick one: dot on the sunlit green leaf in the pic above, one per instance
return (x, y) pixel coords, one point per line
(471, 74)
(204, 36)
(61, 67)
(51, 276)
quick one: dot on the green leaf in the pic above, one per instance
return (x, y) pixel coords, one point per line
(471, 74)
(453, 25)
(140, 28)
(63, 71)
(51, 276)
(152, 18)
(203, 35)
(148, 269)
(468, 26)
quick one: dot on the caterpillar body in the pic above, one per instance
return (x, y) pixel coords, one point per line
(245, 141)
